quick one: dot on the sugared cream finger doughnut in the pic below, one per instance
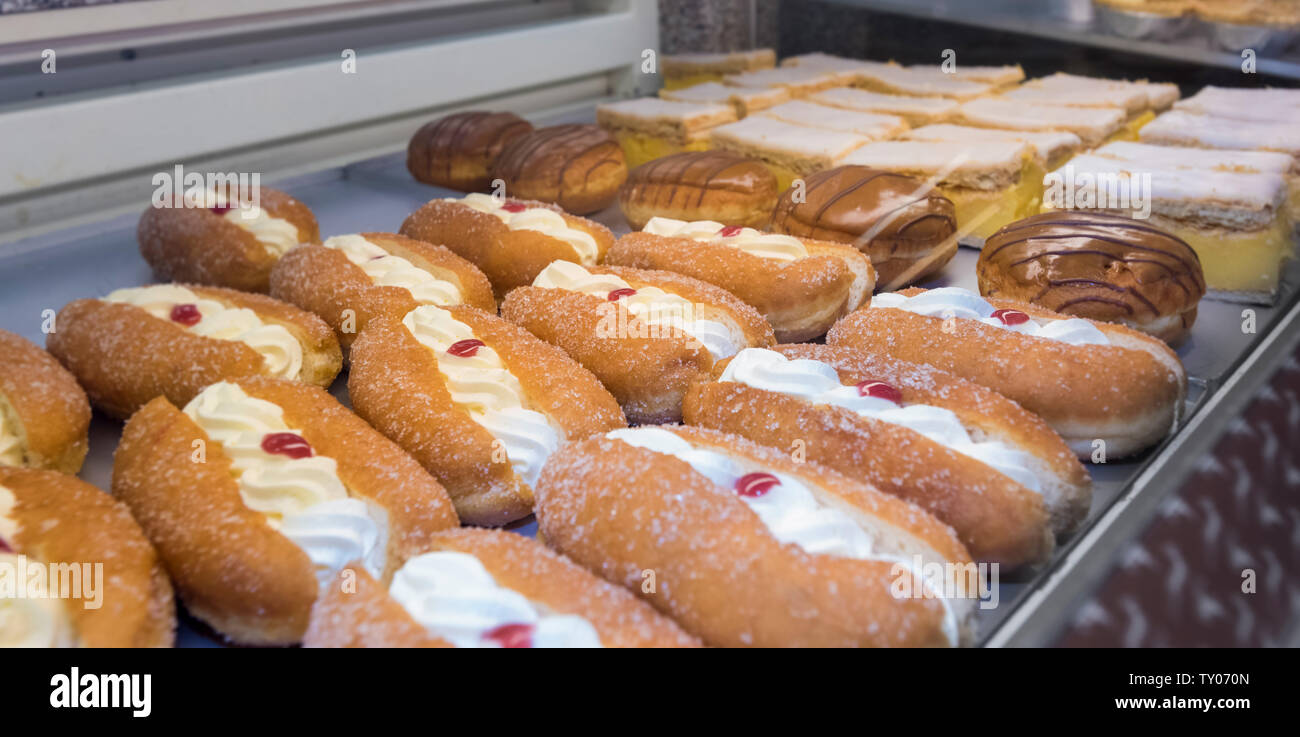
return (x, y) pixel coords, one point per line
(801, 286)
(644, 334)
(994, 472)
(744, 546)
(103, 583)
(486, 589)
(478, 401)
(1091, 381)
(510, 240)
(350, 279)
(44, 414)
(258, 491)
(223, 243)
(171, 340)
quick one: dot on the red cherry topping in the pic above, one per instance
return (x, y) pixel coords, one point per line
(756, 484)
(1011, 317)
(4, 546)
(730, 230)
(617, 294)
(514, 207)
(186, 314)
(879, 390)
(465, 348)
(220, 209)
(511, 635)
(289, 444)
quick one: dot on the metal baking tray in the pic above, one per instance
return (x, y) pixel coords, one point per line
(47, 271)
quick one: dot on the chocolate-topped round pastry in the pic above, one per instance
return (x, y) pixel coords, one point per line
(578, 167)
(906, 228)
(700, 185)
(456, 151)
(1102, 267)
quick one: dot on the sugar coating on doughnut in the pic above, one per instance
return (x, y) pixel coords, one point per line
(714, 538)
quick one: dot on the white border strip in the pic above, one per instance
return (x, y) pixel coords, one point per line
(81, 139)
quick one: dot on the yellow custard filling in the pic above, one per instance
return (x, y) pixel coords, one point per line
(784, 177)
(1242, 261)
(690, 80)
(1130, 130)
(981, 212)
(640, 148)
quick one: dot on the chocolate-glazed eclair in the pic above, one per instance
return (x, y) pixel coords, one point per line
(1102, 267)
(700, 185)
(906, 228)
(578, 167)
(456, 151)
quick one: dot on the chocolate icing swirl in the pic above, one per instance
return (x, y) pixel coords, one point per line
(901, 218)
(1094, 265)
(682, 181)
(563, 154)
(471, 138)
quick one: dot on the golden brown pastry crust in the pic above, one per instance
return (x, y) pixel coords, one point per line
(62, 519)
(509, 258)
(700, 185)
(621, 511)
(800, 299)
(456, 151)
(997, 518)
(1128, 394)
(646, 370)
(49, 406)
(124, 356)
(324, 282)
(912, 229)
(395, 384)
(578, 167)
(193, 244)
(1097, 266)
(232, 569)
(517, 563)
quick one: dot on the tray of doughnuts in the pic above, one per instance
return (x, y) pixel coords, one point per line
(671, 407)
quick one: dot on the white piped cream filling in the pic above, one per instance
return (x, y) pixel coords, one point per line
(455, 598)
(955, 302)
(29, 618)
(389, 270)
(819, 383)
(789, 510)
(303, 498)
(541, 219)
(278, 235)
(650, 305)
(772, 246)
(280, 351)
(480, 384)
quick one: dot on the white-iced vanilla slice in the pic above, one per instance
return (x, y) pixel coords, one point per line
(455, 598)
(277, 234)
(388, 270)
(29, 615)
(481, 384)
(280, 475)
(651, 305)
(764, 245)
(518, 216)
(207, 317)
